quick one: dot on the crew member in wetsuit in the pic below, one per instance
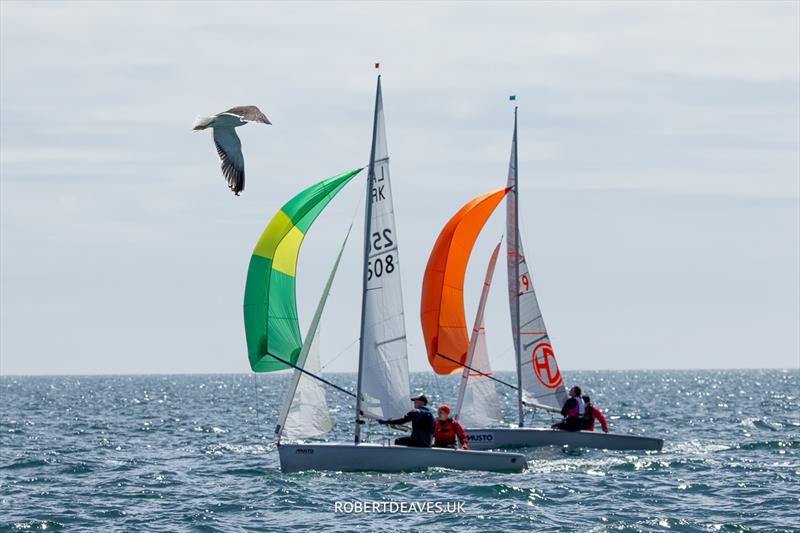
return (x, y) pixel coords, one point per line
(572, 411)
(421, 419)
(592, 413)
(446, 430)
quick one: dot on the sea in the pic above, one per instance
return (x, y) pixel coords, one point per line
(196, 453)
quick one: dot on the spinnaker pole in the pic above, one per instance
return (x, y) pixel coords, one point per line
(367, 230)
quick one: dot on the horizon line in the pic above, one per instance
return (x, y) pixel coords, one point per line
(2, 375)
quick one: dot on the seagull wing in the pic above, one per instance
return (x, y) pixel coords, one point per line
(229, 148)
(249, 113)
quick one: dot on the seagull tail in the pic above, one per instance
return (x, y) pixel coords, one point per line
(201, 123)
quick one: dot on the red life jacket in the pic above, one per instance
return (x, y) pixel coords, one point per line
(592, 414)
(445, 432)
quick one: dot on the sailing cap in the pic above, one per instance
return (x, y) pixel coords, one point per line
(444, 407)
(420, 397)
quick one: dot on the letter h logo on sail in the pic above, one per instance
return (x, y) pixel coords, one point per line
(545, 366)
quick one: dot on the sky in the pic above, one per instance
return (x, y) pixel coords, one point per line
(659, 156)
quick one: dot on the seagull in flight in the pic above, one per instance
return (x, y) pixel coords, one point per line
(229, 147)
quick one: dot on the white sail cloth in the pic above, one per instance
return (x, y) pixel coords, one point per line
(542, 383)
(309, 416)
(478, 404)
(481, 406)
(384, 360)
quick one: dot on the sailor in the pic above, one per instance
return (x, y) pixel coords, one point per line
(572, 411)
(421, 419)
(592, 413)
(446, 430)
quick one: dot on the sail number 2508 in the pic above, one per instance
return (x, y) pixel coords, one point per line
(384, 264)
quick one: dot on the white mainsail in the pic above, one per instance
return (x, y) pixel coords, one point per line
(540, 380)
(304, 413)
(383, 359)
(478, 404)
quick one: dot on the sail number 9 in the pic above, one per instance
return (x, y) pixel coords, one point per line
(380, 266)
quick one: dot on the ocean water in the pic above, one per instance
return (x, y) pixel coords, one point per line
(186, 453)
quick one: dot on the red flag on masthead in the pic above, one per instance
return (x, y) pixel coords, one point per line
(377, 65)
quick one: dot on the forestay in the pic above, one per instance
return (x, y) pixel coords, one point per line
(540, 377)
(478, 404)
(383, 369)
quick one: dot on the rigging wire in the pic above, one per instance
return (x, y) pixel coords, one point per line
(356, 211)
(484, 374)
(342, 352)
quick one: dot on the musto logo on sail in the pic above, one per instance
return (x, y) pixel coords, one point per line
(304, 450)
(480, 437)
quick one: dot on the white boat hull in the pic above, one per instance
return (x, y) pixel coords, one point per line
(487, 439)
(385, 458)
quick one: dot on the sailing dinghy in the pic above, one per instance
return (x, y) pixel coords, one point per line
(539, 381)
(383, 387)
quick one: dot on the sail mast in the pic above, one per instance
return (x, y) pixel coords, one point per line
(517, 326)
(539, 380)
(367, 230)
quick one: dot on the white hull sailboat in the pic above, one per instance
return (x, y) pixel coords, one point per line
(383, 390)
(540, 385)
(370, 457)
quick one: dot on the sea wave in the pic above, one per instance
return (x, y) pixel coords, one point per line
(177, 453)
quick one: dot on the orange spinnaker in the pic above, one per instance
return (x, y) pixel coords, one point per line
(442, 310)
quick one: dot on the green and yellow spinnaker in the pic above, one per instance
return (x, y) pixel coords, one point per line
(270, 308)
